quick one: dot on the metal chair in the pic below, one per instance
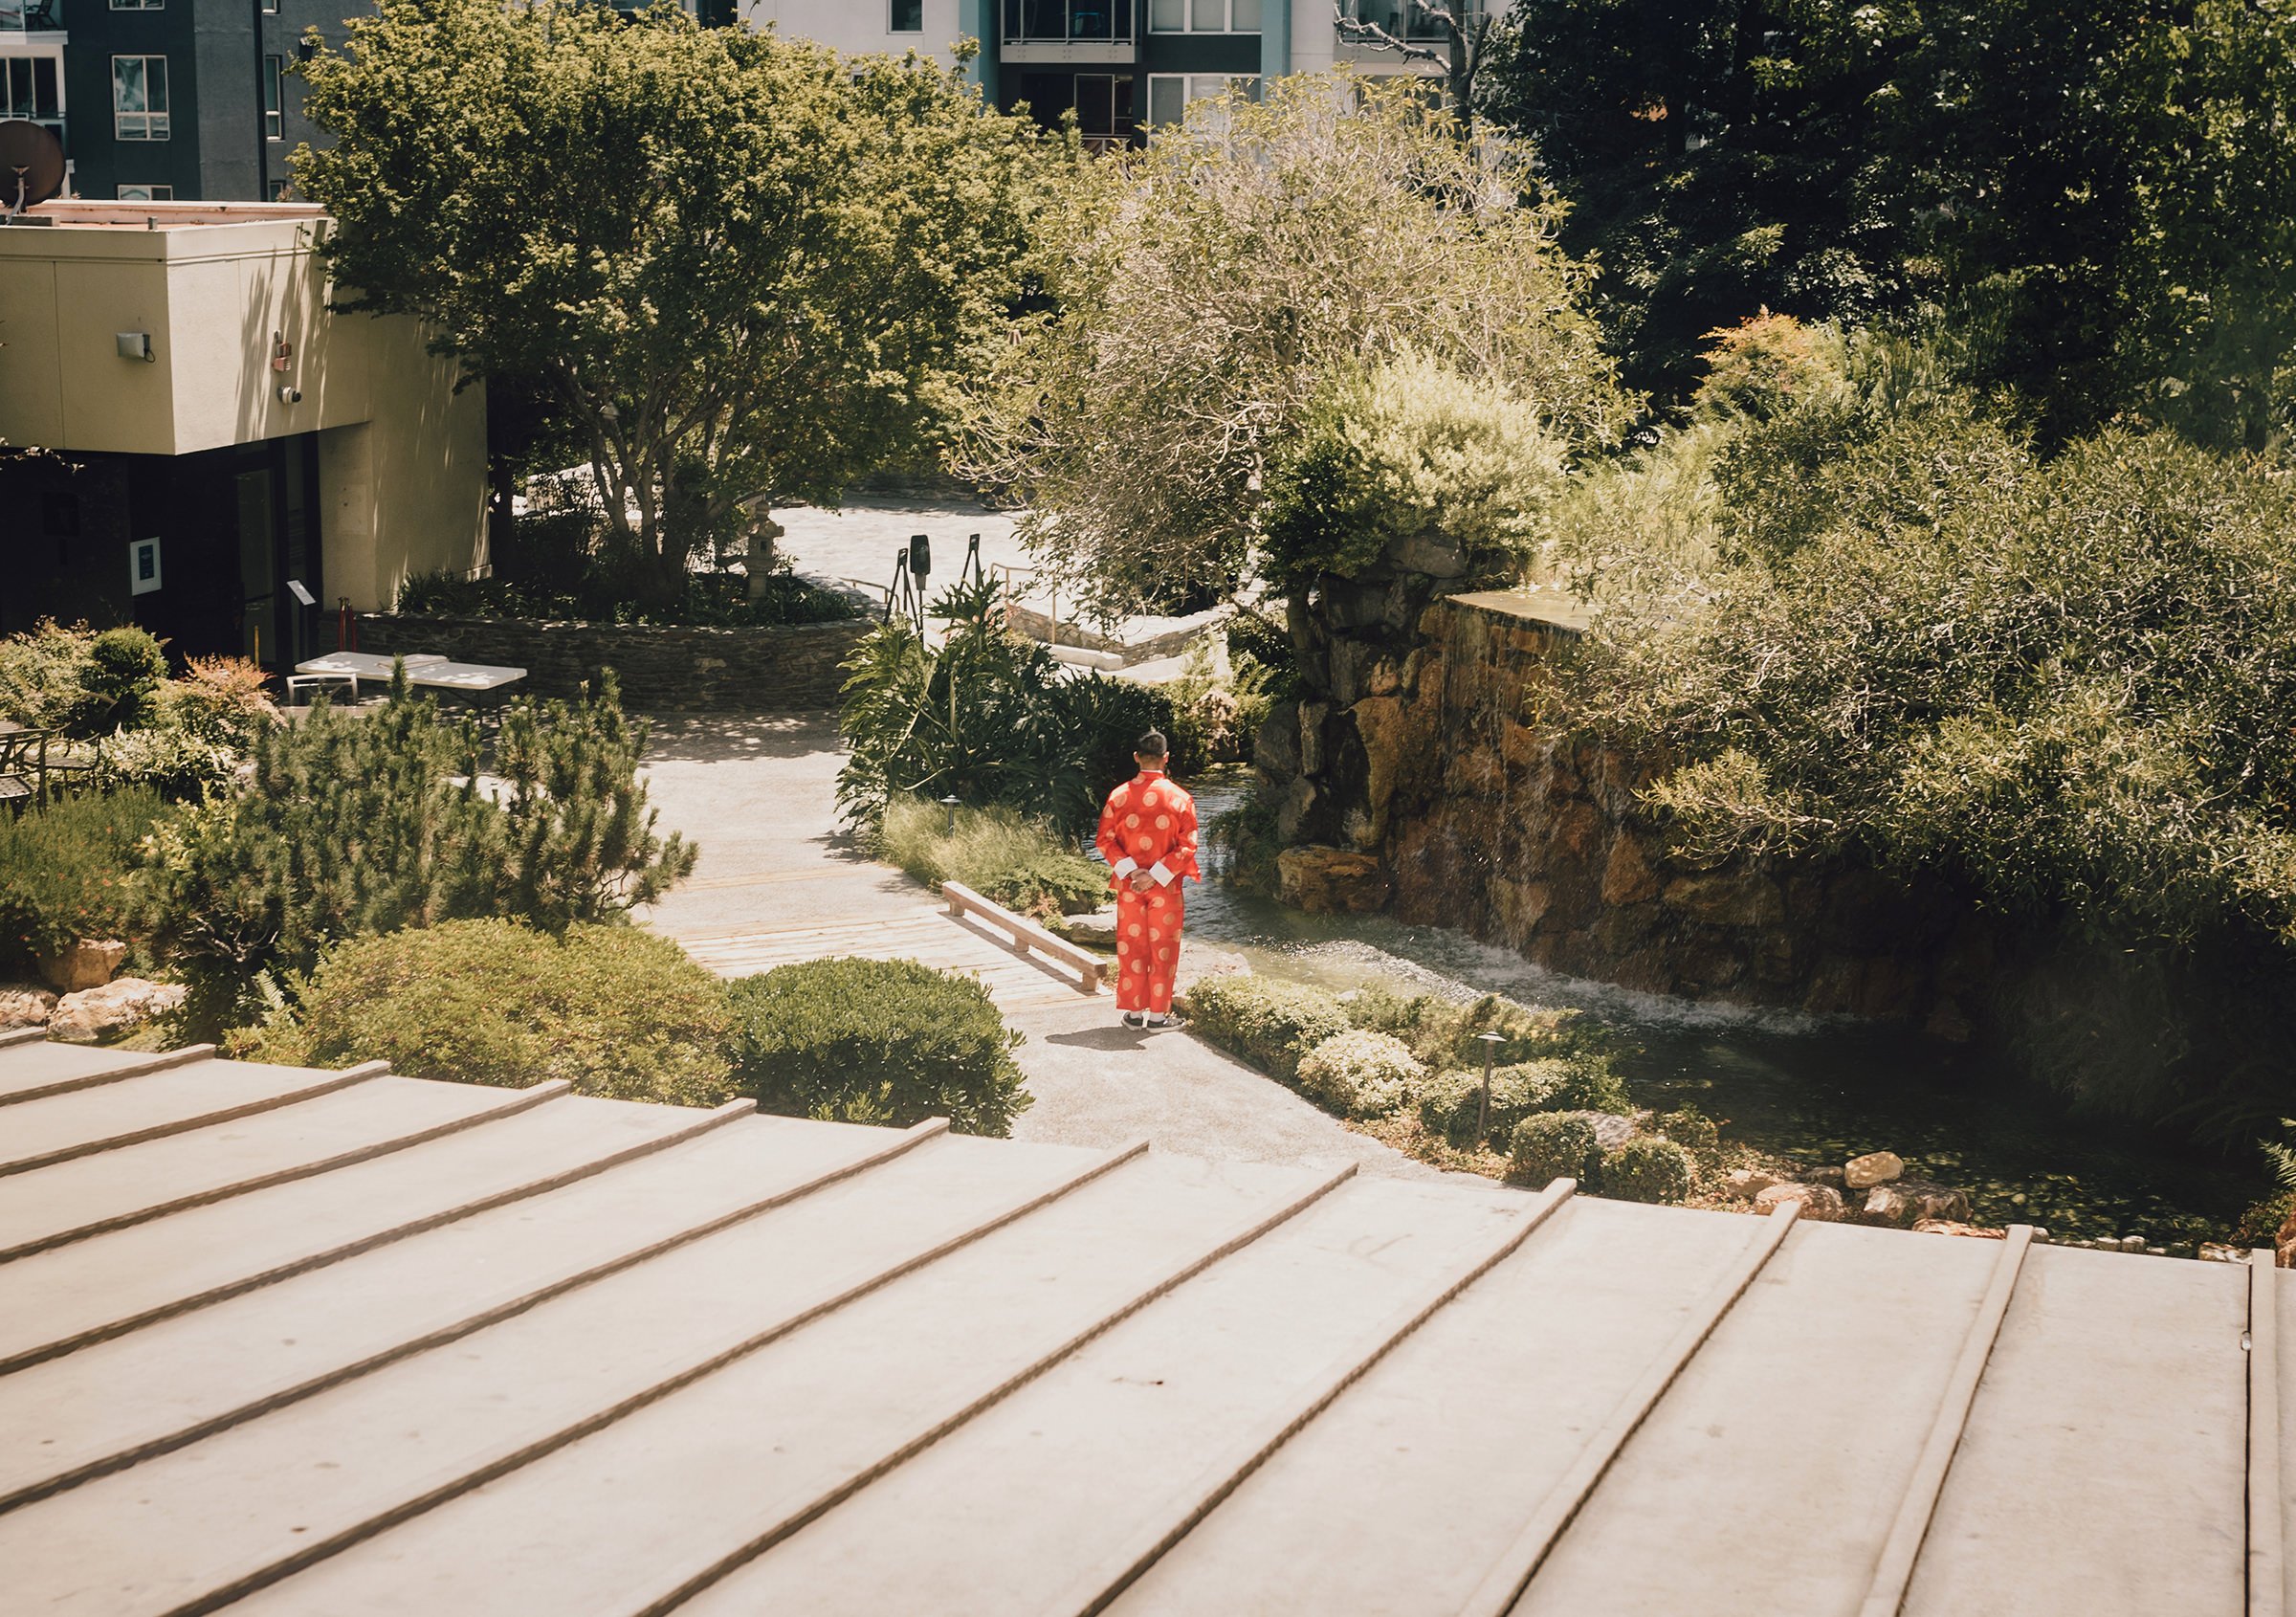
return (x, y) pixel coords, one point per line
(23, 767)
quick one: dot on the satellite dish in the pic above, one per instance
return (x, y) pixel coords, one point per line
(32, 164)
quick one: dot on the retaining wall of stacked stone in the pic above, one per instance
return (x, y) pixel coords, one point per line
(1418, 769)
(749, 670)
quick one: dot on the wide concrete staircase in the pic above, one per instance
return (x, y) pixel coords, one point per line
(292, 1341)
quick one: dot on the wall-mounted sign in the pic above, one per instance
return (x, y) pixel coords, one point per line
(142, 566)
(302, 596)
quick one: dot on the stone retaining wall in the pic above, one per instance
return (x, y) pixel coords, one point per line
(724, 669)
(1415, 768)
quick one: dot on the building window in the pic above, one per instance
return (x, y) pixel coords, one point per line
(28, 89)
(136, 5)
(271, 7)
(146, 193)
(1203, 17)
(908, 17)
(1028, 20)
(1170, 94)
(140, 98)
(282, 191)
(274, 126)
(1405, 19)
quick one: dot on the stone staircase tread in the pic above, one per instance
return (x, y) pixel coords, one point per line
(112, 1189)
(2103, 1468)
(181, 1379)
(198, 1526)
(92, 1290)
(1356, 1512)
(1092, 1453)
(737, 1461)
(57, 1128)
(34, 1071)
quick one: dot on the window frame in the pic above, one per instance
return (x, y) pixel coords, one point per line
(157, 124)
(139, 4)
(34, 68)
(1254, 86)
(144, 194)
(275, 97)
(892, 16)
(1228, 28)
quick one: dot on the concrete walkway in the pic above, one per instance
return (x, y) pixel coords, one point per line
(778, 881)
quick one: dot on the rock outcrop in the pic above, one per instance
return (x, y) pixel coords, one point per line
(89, 963)
(120, 1006)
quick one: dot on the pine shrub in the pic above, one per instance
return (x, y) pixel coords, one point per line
(614, 1010)
(870, 1041)
(120, 684)
(1269, 1024)
(67, 869)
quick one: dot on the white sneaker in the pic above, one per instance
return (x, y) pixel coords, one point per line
(1159, 1020)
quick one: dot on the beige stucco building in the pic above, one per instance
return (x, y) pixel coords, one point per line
(181, 362)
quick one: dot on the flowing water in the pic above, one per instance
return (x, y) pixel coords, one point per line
(1811, 1091)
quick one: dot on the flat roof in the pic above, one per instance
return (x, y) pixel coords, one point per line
(340, 1343)
(80, 213)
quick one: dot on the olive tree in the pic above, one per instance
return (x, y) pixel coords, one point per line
(1197, 295)
(744, 269)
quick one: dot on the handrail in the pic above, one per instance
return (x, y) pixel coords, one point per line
(1026, 936)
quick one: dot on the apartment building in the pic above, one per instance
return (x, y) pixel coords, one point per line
(1123, 66)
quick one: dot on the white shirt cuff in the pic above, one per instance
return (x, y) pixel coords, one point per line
(1163, 876)
(1124, 866)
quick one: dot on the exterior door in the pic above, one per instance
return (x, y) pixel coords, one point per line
(258, 569)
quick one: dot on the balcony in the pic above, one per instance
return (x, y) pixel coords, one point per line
(1067, 30)
(30, 16)
(1403, 19)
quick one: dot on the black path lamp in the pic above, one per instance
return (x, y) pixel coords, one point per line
(1491, 1043)
(950, 803)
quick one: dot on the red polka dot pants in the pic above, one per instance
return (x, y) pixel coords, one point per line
(1147, 947)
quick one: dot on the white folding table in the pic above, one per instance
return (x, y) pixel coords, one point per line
(425, 668)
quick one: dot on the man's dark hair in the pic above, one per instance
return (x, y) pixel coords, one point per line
(1152, 745)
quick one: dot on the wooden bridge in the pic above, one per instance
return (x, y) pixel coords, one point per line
(288, 1342)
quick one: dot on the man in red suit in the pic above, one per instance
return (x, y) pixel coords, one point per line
(1148, 836)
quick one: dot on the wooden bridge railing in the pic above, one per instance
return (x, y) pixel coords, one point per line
(1026, 936)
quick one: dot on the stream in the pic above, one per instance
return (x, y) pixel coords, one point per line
(1813, 1091)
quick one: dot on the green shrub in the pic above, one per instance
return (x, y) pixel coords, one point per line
(42, 674)
(1407, 450)
(178, 764)
(119, 685)
(987, 717)
(1647, 1169)
(584, 590)
(1023, 864)
(1269, 1024)
(614, 1010)
(1360, 1074)
(219, 700)
(1550, 1145)
(1215, 715)
(67, 869)
(868, 1041)
(1689, 1127)
(1552, 1084)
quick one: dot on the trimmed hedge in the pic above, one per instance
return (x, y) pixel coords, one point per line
(1360, 1074)
(1647, 1169)
(615, 1012)
(1271, 1025)
(1550, 1145)
(870, 1041)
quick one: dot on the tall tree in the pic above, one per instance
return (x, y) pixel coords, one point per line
(747, 270)
(1461, 31)
(1201, 291)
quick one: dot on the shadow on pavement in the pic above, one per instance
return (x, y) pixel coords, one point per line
(718, 737)
(1113, 1036)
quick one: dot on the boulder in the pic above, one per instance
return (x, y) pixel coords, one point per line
(1950, 1226)
(1875, 1168)
(1627, 877)
(1744, 1184)
(89, 963)
(1611, 1131)
(2284, 1243)
(1429, 553)
(1820, 1202)
(1331, 882)
(94, 1014)
(25, 1005)
(1099, 927)
(1832, 1177)
(1909, 1201)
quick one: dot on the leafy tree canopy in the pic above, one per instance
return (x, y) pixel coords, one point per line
(744, 268)
(1201, 291)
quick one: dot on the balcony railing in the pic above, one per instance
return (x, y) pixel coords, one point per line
(1056, 22)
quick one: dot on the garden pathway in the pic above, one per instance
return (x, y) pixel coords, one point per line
(778, 881)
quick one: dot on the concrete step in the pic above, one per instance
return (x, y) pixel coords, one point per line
(192, 1528)
(38, 1068)
(182, 1379)
(92, 1290)
(743, 1458)
(2103, 1468)
(1769, 1476)
(1068, 1473)
(1360, 1512)
(58, 1127)
(113, 1189)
